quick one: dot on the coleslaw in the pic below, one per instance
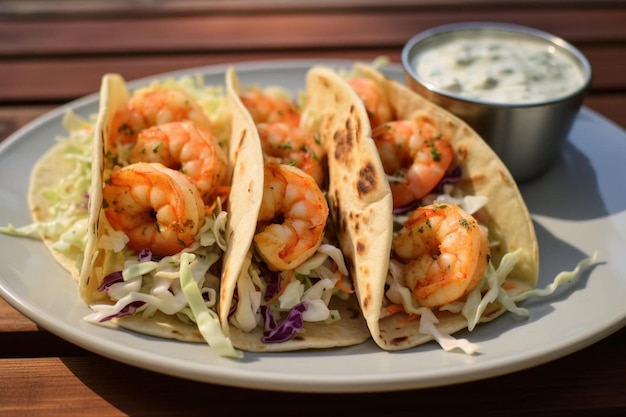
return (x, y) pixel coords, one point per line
(305, 298)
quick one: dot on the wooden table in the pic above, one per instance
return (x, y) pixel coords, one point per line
(54, 52)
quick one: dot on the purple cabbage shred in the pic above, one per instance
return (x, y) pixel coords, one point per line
(112, 278)
(85, 204)
(278, 333)
(126, 311)
(146, 255)
(116, 277)
(272, 280)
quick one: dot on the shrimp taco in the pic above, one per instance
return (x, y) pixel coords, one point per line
(292, 290)
(434, 229)
(158, 207)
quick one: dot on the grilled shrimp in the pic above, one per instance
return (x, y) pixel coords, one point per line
(293, 145)
(375, 100)
(414, 155)
(270, 108)
(156, 207)
(186, 147)
(292, 217)
(152, 107)
(444, 252)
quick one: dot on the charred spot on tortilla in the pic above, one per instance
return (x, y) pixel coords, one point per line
(343, 145)
(364, 270)
(176, 332)
(366, 297)
(399, 340)
(367, 181)
(357, 123)
(335, 199)
(360, 246)
(475, 181)
(324, 81)
(354, 217)
(462, 154)
(504, 177)
(348, 125)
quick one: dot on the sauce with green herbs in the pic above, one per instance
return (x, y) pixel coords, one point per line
(501, 69)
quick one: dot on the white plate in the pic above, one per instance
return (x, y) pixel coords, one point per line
(578, 207)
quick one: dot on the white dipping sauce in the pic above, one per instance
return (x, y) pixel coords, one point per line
(499, 68)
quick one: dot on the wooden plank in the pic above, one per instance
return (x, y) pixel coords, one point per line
(61, 80)
(12, 321)
(239, 32)
(103, 7)
(26, 390)
(608, 65)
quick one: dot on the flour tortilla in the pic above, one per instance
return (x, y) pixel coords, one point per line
(361, 201)
(50, 168)
(114, 95)
(245, 201)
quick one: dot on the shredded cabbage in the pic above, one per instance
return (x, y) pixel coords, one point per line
(428, 320)
(278, 333)
(247, 315)
(207, 320)
(494, 278)
(157, 283)
(309, 292)
(488, 290)
(563, 277)
(67, 200)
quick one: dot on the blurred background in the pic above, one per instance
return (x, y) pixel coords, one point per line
(54, 51)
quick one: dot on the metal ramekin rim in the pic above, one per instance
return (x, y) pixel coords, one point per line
(413, 43)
